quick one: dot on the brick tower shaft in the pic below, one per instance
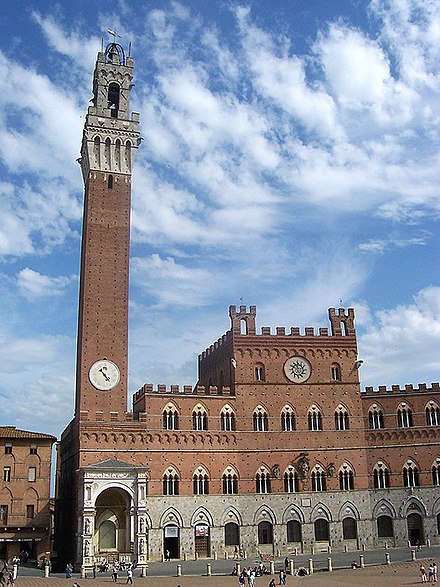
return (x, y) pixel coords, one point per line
(109, 145)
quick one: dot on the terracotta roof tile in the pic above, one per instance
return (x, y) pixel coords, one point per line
(13, 432)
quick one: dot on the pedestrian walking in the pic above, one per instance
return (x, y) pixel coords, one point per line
(423, 576)
(115, 573)
(129, 576)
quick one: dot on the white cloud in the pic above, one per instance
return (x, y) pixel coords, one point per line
(402, 341)
(40, 372)
(36, 220)
(394, 241)
(171, 282)
(34, 285)
(46, 139)
(72, 44)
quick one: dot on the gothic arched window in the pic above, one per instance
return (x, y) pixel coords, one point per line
(262, 481)
(381, 476)
(260, 420)
(227, 419)
(199, 418)
(200, 482)
(404, 416)
(346, 478)
(229, 482)
(291, 484)
(341, 418)
(436, 472)
(170, 482)
(314, 418)
(170, 417)
(288, 420)
(375, 417)
(432, 412)
(410, 474)
(319, 481)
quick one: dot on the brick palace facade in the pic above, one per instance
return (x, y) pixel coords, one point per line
(274, 450)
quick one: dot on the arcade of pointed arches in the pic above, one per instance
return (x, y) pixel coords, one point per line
(113, 529)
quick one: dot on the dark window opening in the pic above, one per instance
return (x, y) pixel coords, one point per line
(232, 534)
(321, 530)
(113, 99)
(294, 531)
(349, 529)
(385, 527)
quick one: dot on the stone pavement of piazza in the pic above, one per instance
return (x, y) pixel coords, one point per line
(394, 575)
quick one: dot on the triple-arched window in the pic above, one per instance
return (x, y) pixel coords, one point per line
(314, 418)
(263, 481)
(435, 469)
(319, 480)
(288, 420)
(199, 418)
(432, 412)
(170, 482)
(200, 482)
(227, 419)
(346, 478)
(229, 481)
(410, 474)
(341, 418)
(170, 417)
(381, 476)
(260, 419)
(404, 416)
(291, 484)
(375, 417)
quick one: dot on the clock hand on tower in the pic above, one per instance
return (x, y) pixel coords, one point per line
(106, 377)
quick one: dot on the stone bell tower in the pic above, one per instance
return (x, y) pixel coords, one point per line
(109, 145)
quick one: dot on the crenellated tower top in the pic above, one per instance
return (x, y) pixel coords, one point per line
(243, 322)
(341, 321)
(111, 136)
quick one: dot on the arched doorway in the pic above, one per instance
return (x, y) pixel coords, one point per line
(112, 524)
(171, 541)
(202, 541)
(415, 529)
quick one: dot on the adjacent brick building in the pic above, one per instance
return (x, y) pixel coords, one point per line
(25, 507)
(274, 449)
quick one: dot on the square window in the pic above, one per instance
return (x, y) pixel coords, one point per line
(30, 512)
(33, 449)
(32, 474)
(6, 474)
(8, 449)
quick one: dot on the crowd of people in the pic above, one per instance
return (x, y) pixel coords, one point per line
(248, 574)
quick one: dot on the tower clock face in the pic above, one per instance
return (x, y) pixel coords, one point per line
(297, 369)
(104, 375)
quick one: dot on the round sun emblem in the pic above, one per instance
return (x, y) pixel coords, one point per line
(297, 369)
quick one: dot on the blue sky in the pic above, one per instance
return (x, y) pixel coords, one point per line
(290, 160)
